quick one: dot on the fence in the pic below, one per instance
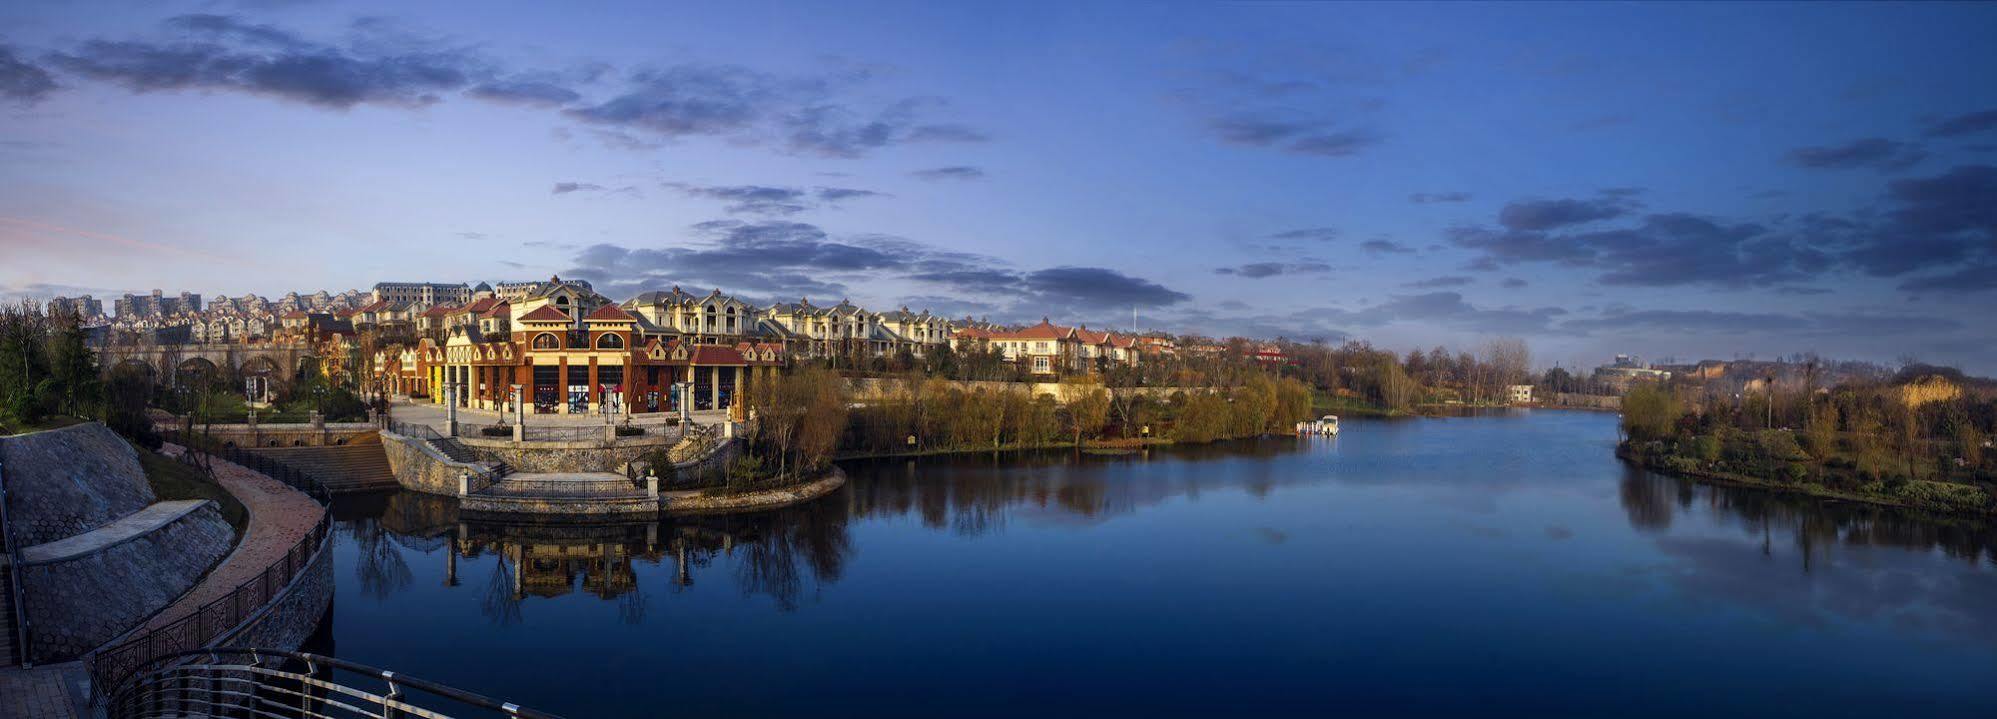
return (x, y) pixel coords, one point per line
(289, 685)
(212, 620)
(19, 605)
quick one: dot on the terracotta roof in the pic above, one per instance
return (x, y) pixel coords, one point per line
(482, 304)
(973, 333)
(295, 315)
(1043, 331)
(439, 311)
(498, 310)
(609, 313)
(546, 313)
(716, 354)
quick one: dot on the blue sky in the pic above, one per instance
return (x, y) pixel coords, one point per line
(1700, 180)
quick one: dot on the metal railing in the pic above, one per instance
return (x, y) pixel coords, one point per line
(218, 617)
(21, 628)
(289, 685)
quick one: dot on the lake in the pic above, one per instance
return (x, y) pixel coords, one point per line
(1494, 565)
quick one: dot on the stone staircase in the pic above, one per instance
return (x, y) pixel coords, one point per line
(458, 452)
(344, 468)
(562, 494)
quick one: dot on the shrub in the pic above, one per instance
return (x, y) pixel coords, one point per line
(497, 430)
(625, 430)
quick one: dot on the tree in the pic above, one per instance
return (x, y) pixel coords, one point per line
(1088, 409)
(1649, 412)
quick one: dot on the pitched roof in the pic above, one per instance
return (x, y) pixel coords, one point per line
(499, 309)
(545, 313)
(1043, 331)
(609, 313)
(439, 311)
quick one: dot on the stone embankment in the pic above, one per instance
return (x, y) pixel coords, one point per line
(99, 554)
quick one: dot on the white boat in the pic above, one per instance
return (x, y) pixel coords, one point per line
(1326, 425)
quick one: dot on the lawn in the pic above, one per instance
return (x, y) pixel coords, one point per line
(172, 480)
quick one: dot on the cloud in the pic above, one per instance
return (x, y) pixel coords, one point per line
(1933, 223)
(1096, 288)
(223, 53)
(778, 259)
(1314, 234)
(1440, 282)
(810, 114)
(1968, 124)
(1259, 270)
(21, 81)
(1296, 137)
(1873, 152)
(525, 92)
(771, 200)
(1449, 309)
(1385, 247)
(1513, 283)
(1430, 198)
(954, 172)
(1811, 324)
(468, 235)
(1550, 214)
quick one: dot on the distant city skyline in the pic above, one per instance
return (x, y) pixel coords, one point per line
(1681, 181)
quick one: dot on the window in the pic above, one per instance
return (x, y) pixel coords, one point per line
(547, 341)
(1040, 364)
(563, 301)
(610, 342)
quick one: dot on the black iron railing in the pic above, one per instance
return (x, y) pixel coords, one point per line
(13, 547)
(289, 685)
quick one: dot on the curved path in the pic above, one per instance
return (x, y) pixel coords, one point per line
(279, 517)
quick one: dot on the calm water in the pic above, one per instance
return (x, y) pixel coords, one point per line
(1489, 566)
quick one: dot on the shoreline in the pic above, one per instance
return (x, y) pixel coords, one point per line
(1809, 489)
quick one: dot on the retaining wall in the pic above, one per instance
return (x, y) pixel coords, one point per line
(568, 457)
(288, 621)
(874, 388)
(288, 435)
(80, 601)
(64, 482)
(420, 467)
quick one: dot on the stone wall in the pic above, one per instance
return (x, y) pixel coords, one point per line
(289, 435)
(568, 457)
(64, 482)
(874, 388)
(420, 467)
(78, 603)
(754, 501)
(1587, 401)
(287, 622)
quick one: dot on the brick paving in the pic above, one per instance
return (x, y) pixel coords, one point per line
(279, 517)
(44, 692)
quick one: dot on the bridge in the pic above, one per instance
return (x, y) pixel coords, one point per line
(168, 362)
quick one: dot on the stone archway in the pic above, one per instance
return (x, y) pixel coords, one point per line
(263, 377)
(195, 370)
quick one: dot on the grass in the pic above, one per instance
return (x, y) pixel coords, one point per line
(54, 421)
(172, 480)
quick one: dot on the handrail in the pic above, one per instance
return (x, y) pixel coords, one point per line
(21, 632)
(216, 618)
(172, 684)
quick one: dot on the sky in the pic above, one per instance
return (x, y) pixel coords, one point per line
(1676, 181)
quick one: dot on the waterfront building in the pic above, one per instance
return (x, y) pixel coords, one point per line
(600, 362)
(1520, 393)
(711, 319)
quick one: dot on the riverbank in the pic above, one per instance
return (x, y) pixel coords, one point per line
(1944, 498)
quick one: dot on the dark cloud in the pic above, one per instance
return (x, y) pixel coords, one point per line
(525, 92)
(808, 113)
(1979, 277)
(1259, 270)
(1812, 324)
(770, 200)
(21, 81)
(954, 172)
(222, 53)
(1433, 283)
(1294, 136)
(1385, 247)
(1873, 152)
(1663, 249)
(1314, 234)
(1934, 223)
(1968, 124)
(972, 279)
(563, 188)
(1430, 198)
(1513, 283)
(1551, 214)
(1097, 287)
(1449, 309)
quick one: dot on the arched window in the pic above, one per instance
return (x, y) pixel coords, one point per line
(563, 301)
(610, 342)
(547, 341)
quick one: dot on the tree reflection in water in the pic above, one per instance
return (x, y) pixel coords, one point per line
(378, 563)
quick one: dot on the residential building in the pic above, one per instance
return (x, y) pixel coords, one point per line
(156, 305)
(421, 294)
(87, 308)
(1520, 393)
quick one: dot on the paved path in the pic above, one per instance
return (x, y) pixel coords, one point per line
(50, 691)
(434, 415)
(279, 517)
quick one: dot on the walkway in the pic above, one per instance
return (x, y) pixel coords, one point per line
(425, 412)
(279, 517)
(50, 691)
